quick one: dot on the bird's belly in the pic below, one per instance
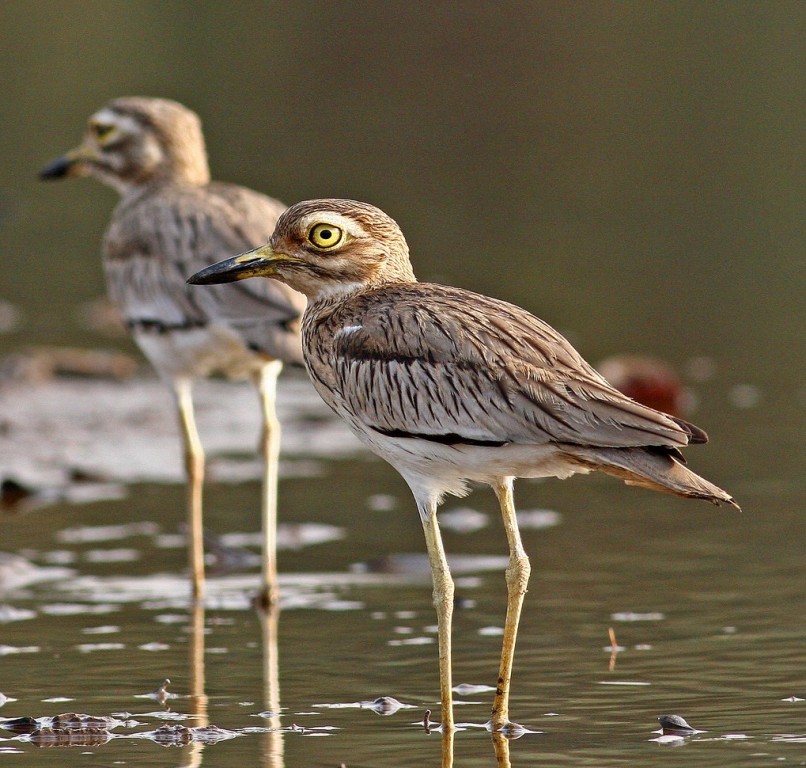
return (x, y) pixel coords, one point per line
(442, 468)
(198, 352)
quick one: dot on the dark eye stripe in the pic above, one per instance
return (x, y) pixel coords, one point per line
(101, 129)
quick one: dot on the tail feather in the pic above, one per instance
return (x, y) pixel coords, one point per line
(659, 471)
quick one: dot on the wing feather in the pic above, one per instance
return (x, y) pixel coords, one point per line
(434, 361)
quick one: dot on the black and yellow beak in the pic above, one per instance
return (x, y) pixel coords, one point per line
(69, 164)
(260, 262)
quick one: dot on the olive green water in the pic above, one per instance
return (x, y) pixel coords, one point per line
(631, 172)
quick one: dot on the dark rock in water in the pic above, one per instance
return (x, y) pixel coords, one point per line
(69, 737)
(161, 694)
(73, 721)
(171, 735)
(20, 724)
(211, 734)
(13, 493)
(674, 725)
(385, 705)
(69, 729)
(180, 735)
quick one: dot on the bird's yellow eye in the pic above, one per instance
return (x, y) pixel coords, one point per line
(326, 236)
(102, 130)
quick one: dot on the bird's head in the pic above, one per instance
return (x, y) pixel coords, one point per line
(133, 141)
(322, 247)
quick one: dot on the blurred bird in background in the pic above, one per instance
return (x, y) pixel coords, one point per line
(172, 220)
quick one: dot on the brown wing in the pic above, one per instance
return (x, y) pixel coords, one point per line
(454, 366)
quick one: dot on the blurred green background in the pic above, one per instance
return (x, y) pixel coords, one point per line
(632, 172)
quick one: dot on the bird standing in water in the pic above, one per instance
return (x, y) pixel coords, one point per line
(450, 386)
(171, 220)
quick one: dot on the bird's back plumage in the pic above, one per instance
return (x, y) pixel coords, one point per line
(431, 360)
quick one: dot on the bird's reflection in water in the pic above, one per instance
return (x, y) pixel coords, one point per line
(273, 751)
(501, 745)
(192, 754)
(273, 746)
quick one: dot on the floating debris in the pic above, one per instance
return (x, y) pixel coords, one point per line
(55, 737)
(469, 689)
(383, 705)
(69, 729)
(76, 609)
(511, 731)
(415, 564)
(8, 650)
(118, 555)
(386, 705)
(538, 519)
(16, 497)
(463, 520)
(19, 724)
(10, 613)
(614, 649)
(92, 647)
(76, 721)
(180, 735)
(108, 629)
(623, 682)
(267, 714)
(14, 494)
(161, 694)
(674, 725)
(154, 646)
(633, 616)
(89, 534)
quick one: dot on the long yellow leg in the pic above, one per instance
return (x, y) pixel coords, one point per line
(443, 601)
(194, 470)
(267, 389)
(517, 576)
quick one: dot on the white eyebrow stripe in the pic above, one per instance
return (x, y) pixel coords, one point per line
(349, 225)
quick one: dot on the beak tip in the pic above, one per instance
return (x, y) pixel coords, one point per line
(55, 170)
(197, 279)
(212, 275)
